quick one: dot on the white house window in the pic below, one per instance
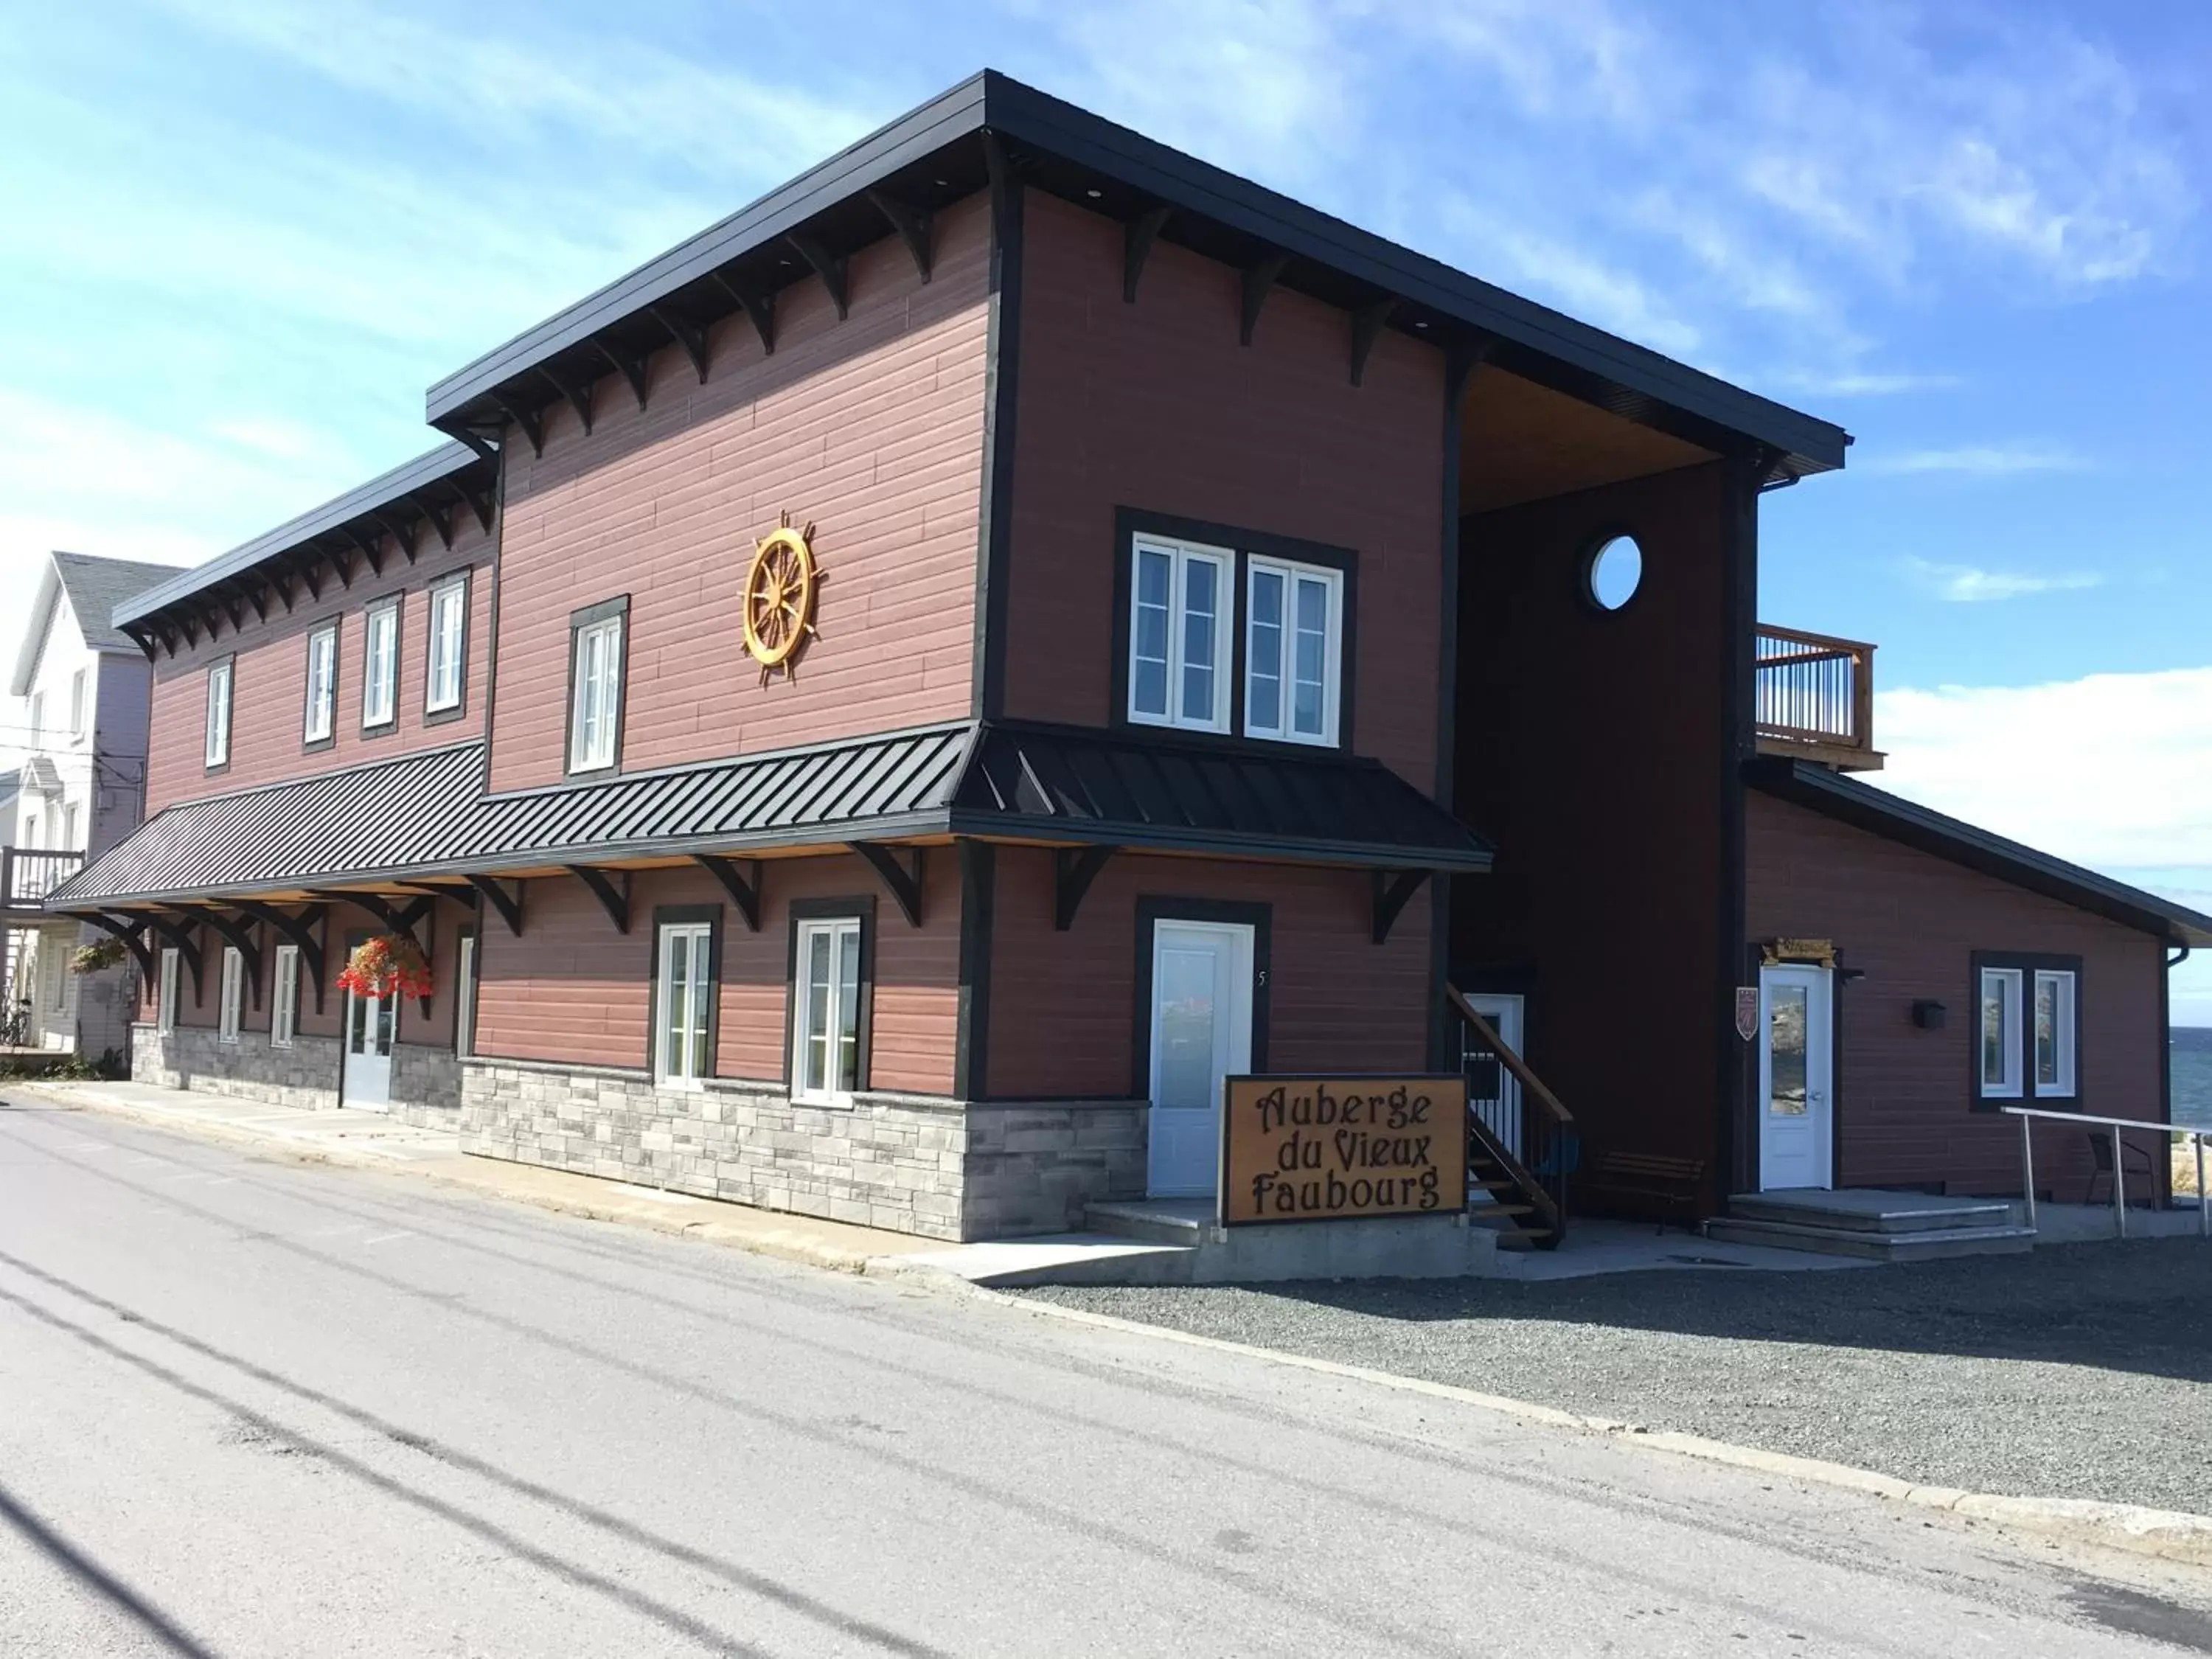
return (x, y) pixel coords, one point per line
(165, 1000)
(683, 1045)
(76, 703)
(2054, 1035)
(322, 683)
(380, 689)
(595, 697)
(72, 822)
(284, 998)
(449, 610)
(38, 716)
(233, 994)
(1178, 672)
(218, 713)
(464, 996)
(826, 1017)
(1293, 644)
(2001, 1033)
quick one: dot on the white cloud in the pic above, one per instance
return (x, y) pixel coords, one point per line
(1979, 460)
(1965, 584)
(1866, 383)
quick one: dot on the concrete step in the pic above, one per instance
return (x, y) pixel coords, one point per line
(1930, 1245)
(1155, 1220)
(1867, 1212)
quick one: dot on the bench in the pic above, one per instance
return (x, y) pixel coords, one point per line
(1642, 1182)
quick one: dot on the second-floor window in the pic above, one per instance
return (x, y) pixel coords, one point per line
(1178, 674)
(449, 611)
(379, 668)
(218, 713)
(77, 704)
(322, 684)
(595, 685)
(71, 826)
(1291, 651)
(38, 716)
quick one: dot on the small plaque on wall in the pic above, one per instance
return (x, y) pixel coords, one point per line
(1746, 1012)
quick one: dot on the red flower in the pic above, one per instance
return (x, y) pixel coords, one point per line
(390, 964)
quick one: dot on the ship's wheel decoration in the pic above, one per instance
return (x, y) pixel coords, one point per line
(780, 591)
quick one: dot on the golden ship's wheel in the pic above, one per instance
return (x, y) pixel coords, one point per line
(780, 591)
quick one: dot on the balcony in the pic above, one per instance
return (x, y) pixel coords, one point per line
(27, 874)
(1813, 698)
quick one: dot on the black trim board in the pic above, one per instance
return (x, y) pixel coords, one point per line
(1001, 404)
(1833, 794)
(1152, 910)
(979, 887)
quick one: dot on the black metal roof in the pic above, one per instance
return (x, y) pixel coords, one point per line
(1809, 784)
(426, 814)
(454, 473)
(936, 155)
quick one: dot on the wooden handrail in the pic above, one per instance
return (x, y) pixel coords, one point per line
(1511, 1062)
(1806, 636)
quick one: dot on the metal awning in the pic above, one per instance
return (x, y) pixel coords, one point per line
(426, 814)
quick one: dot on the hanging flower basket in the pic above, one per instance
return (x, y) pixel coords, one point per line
(390, 964)
(98, 956)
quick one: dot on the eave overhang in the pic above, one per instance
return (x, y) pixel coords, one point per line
(943, 151)
(1835, 795)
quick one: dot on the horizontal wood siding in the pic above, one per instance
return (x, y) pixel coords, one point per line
(872, 428)
(268, 687)
(1592, 748)
(1064, 1017)
(1911, 923)
(1155, 406)
(571, 989)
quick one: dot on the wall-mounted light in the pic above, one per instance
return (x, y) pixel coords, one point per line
(1851, 975)
(1929, 1015)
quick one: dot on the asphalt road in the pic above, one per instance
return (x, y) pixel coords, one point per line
(250, 1407)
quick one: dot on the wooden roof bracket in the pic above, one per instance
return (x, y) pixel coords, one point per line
(181, 941)
(688, 333)
(740, 879)
(532, 428)
(133, 933)
(912, 224)
(904, 885)
(508, 905)
(240, 939)
(1074, 869)
(1259, 282)
(1138, 236)
(831, 268)
(759, 307)
(632, 365)
(298, 931)
(1392, 889)
(1367, 325)
(577, 392)
(613, 899)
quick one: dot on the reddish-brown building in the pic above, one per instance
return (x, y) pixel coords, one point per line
(878, 711)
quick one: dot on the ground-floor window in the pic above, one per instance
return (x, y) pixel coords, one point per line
(684, 986)
(829, 1006)
(2028, 1034)
(284, 998)
(233, 994)
(464, 996)
(165, 1003)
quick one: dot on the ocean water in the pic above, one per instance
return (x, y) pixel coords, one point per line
(2193, 1075)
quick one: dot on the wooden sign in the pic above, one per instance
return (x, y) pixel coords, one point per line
(1342, 1148)
(1746, 1012)
(1821, 952)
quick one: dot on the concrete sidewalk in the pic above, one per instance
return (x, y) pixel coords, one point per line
(366, 1140)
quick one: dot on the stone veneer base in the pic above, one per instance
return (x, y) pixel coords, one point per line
(426, 1085)
(912, 1163)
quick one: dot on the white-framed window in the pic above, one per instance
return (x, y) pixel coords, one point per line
(218, 713)
(234, 994)
(321, 719)
(1179, 603)
(38, 716)
(2053, 1036)
(165, 995)
(2001, 1046)
(1293, 650)
(72, 823)
(684, 991)
(380, 666)
(595, 673)
(448, 627)
(464, 996)
(825, 1025)
(77, 704)
(284, 998)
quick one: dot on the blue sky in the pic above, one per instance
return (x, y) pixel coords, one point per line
(242, 237)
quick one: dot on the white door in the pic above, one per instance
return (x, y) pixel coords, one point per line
(1493, 1092)
(1796, 1077)
(1201, 1033)
(368, 1080)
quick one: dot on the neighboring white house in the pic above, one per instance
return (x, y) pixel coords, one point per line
(82, 694)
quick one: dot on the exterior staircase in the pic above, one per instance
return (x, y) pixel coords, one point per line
(1880, 1226)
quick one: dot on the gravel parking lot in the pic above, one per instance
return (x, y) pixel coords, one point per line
(2078, 1371)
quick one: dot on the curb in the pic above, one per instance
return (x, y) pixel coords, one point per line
(2166, 1534)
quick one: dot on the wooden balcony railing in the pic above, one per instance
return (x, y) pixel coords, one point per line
(27, 874)
(1813, 697)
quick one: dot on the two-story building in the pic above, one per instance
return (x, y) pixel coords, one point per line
(80, 688)
(879, 711)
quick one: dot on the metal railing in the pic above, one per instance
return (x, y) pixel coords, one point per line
(1515, 1120)
(27, 874)
(2027, 1114)
(1814, 694)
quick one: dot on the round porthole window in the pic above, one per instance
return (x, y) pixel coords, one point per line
(1615, 573)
